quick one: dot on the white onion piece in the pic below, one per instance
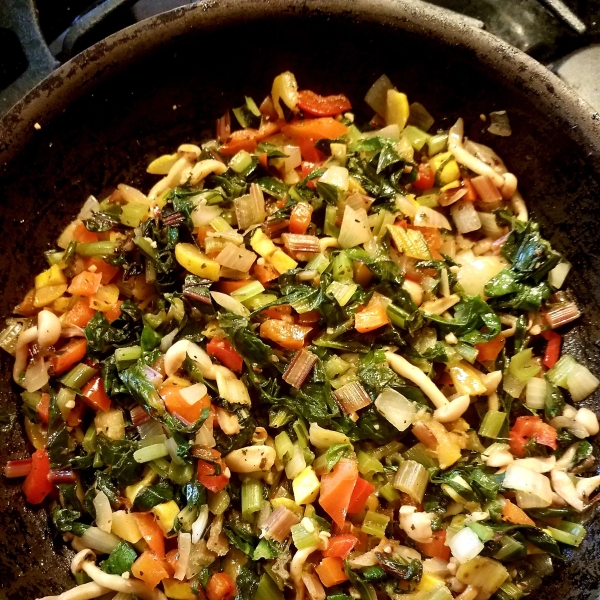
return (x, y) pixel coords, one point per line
(465, 545)
(103, 512)
(355, 228)
(557, 276)
(199, 525)
(523, 480)
(565, 488)
(49, 328)
(396, 408)
(230, 304)
(167, 340)
(428, 217)
(90, 206)
(100, 541)
(390, 132)
(537, 465)
(376, 97)
(193, 393)
(205, 436)
(465, 216)
(236, 257)
(473, 276)
(336, 176)
(36, 375)
(581, 382)
(294, 158)
(406, 206)
(171, 446)
(185, 545)
(203, 214)
(535, 393)
(132, 195)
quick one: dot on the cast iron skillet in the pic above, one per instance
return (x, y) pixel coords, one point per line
(144, 90)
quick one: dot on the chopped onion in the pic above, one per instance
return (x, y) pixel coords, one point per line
(230, 304)
(250, 209)
(100, 541)
(562, 314)
(204, 214)
(205, 436)
(185, 546)
(448, 197)
(500, 124)
(352, 397)
(465, 217)
(279, 524)
(232, 389)
(236, 257)
(336, 176)
(429, 217)
(357, 201)
(473, 276)
(535, 393)
(296, 464)
(167, 340)
(36, 375)
(171, 446)
(557, 276)
(355, 228)
(406, 206)
(325, 438)
(299, 368)
(465, 545)
(103, 512)
(526, 500)
(300, 243)
(376, 97)
(199, 525)
(90, 206)
(396, 408)
(486, 189)
(581, 382)
(490, 226)
(150, 429)
(294, 158)
(523, 480)
(193, 393)
(10, 334)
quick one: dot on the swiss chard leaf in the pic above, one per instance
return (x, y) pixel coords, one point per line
(153, 495)
(241, 537)
(120, 560)
(100, 222)
(246, 584)
(58, 440)
(118, 455)
(400, 569)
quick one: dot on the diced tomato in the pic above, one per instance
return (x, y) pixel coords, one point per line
(177, 405)
(437, 547)
(552, 348)
(85, 284)
(265, 273)
(76, 413)
(263, 159)
(151, 532)
(490, 350)
(94, 394)
(322, 106)
(513, 514)
(531, 428)
(337, 488)
(68, 355)
(220, 587)
(432, 236)
(43, 408)
(362, 490)
(341, 545)
(114, 313)
(107, 271)
(277, 312)
(300, 217)
(83, 236)
(331, 571)
(171, 558)
(80, 314)
(307, 132)
(306, 168)
(36, 485)
(222, 349)
(287, 335)
(471, 194)
(247, 139)
(308, 318)
(226, 287)
(207, 470)
(150, 568)
(425, 178)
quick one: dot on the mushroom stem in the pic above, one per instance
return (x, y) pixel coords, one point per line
(414, 374)
(81, 592)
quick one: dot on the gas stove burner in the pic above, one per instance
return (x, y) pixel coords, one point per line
(38, 35)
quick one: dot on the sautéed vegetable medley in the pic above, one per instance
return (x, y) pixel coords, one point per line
(316, 360)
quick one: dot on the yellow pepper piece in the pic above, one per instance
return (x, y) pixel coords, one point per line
(190, 258)
(397, 109)
(48, 294)
(162, 165)
(165, 514)
(52, 276)
(281, 261)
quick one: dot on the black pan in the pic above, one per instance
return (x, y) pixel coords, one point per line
(146, 89)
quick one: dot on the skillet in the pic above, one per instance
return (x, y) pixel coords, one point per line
(146, 89)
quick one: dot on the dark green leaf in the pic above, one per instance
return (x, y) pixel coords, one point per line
(120, 560)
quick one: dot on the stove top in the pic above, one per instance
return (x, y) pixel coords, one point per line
(36, 36)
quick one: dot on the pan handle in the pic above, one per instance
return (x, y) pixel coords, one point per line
(22, 20)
